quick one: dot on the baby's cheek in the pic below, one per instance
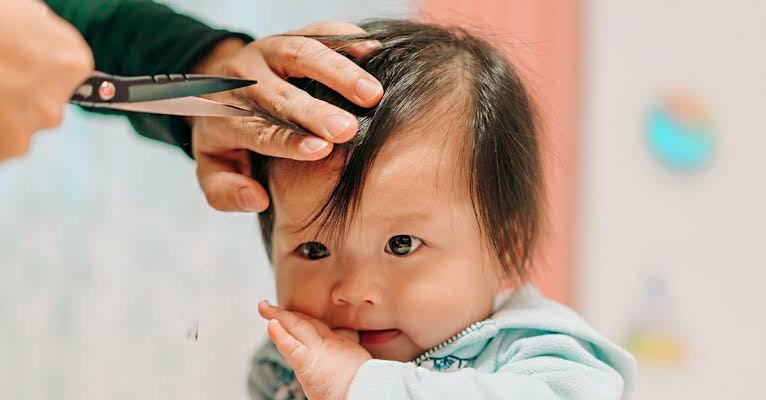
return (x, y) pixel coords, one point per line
(448, 297)
(298, 290)
(432, 313)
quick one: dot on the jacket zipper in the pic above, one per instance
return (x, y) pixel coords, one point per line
(423, 357)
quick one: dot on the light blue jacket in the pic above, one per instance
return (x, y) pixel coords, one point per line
(531, 348)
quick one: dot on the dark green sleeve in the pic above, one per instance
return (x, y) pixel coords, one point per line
(141, 37)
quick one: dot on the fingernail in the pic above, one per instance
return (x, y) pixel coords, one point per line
(247, 200)
(334, 125)
(311, 145)
(367, 90)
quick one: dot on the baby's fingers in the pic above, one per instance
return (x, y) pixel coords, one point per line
(300, 328)
(271, 312)
(294, 352)
(348, 334)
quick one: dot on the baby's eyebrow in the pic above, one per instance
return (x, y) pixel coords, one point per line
(409, 216)
(288, 227)
(404, 216)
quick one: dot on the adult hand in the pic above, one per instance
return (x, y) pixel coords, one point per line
(43, 61)
(220, 145)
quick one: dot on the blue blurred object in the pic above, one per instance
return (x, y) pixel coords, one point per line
(679, 138)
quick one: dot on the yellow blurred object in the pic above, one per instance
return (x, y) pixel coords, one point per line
(657, 348)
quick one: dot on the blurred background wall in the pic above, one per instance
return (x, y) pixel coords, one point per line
(671, 222)
(654, 116)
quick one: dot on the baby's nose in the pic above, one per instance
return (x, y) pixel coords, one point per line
(357, 288)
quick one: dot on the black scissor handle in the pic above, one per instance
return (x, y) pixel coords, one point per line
(104, 89)
(101, 88)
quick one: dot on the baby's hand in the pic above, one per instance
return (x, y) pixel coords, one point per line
(325, 361)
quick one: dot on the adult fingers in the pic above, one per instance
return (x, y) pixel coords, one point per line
(226, 189)
(356, 49)
(295, 56)
(287, 102)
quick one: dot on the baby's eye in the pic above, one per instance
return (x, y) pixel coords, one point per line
(402, 245)
(312, 250)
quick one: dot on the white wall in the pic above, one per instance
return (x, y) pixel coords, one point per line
(703, 232)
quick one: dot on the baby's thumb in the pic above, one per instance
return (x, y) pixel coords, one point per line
(348, 333)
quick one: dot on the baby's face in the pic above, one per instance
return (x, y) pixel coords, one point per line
(413, 270)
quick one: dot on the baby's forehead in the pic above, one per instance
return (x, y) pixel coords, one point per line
(418, 169)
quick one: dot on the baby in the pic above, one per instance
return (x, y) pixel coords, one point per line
(390, 255)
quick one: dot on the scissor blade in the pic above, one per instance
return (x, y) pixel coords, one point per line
(185, 106)
(183, 86)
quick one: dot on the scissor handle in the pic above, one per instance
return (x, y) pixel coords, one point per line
(101, 88)
(104, 88)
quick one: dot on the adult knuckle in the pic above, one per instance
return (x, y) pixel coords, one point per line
(231, 69)
(75, 65)
(82, 61)
(291, 47)
(305, 51)
(280, 103)
(51, 115)
(259, 138)
(343, 66)
(74, 50)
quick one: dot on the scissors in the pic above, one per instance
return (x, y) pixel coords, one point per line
(172, 94)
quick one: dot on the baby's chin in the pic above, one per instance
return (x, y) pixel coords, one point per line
(399, 349)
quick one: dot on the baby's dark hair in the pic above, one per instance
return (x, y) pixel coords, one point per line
(422, 66)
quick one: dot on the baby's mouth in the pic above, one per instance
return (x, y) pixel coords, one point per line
(378, 337)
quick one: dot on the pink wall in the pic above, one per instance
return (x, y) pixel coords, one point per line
(541, 37)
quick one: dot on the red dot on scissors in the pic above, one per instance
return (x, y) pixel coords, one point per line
(106, 91)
